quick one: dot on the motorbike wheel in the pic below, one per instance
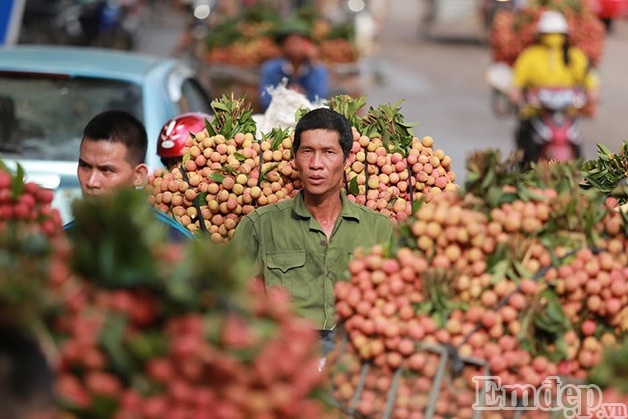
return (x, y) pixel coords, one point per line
(567, 152)
(501, 104)
(428, 18)
(116, 39)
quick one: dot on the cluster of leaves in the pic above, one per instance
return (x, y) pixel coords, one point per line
(544, 326)
(608, 172)
(349, 107)
(384, 121)
(231, 116)
(115, 240)
(488, 173)
(565, 6)
(498, 181)
(387, 122)
(262, 20)
(121, 245)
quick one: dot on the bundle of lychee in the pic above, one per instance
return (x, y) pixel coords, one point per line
(390, 169)
(514, 30)
(152, 329)
(227, 173)
(521, 276)
(34, 251)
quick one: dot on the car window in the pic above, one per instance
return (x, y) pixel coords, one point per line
(194, 98)
(42, 116)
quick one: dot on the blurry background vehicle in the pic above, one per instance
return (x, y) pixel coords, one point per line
(610, 10)
(104, 23)
(47, 94)
(38, 18)
(554, 131)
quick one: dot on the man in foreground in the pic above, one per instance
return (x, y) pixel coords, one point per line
(305, 244)
(112, 156)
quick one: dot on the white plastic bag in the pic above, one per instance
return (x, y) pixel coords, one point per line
(281, 112)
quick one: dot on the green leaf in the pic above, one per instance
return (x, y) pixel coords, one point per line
(200, 199)
(111, 338)
(417, 204)
(240, 157)
(210, 128)
(216, 177)
(17, 182)
(219, 106)
(499, 271)
(488, 179)
(148, 345)
(354, 189)
(186, 158)
(521, 271)
(439, 319)
(102, 407)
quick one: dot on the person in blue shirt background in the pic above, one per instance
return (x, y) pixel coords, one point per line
(112, 155)
(299, 65)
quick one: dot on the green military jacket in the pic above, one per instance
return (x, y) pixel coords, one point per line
(293, 251)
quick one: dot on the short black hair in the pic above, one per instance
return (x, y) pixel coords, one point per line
(293, 27)
(327, 119)
(26, 378)
(120, 127)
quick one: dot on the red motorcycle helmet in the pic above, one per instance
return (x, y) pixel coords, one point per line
(174, 133)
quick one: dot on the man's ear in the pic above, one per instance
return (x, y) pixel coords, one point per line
(139, 177)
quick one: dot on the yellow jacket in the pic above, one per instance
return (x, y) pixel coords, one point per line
(542, 66)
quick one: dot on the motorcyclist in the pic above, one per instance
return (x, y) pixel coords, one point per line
(173, 135)
(299, 65)
(551, 61)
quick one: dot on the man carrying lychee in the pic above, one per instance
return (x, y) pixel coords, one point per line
(304, 244)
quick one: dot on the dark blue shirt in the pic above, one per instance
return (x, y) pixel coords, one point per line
(314, 79)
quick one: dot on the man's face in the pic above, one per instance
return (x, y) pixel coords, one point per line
(295, 46)
(320, 162)
(103, 167)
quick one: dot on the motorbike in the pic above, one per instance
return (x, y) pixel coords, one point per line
(553, 130)
(102, 23)
(37, 21)
(549, 125)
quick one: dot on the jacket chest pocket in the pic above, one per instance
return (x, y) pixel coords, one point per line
(286, 268)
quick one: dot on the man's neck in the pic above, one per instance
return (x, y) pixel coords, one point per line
(324, 209)
(293, 67)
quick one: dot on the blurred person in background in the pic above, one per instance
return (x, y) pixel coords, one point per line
(26, 378)
(299, 66)
(173, 135)
(551, 61)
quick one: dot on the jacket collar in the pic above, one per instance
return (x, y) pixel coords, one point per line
(348, 211)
